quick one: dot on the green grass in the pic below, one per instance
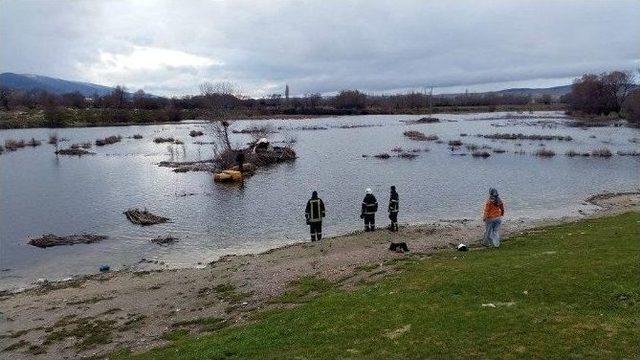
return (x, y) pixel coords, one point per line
(304, 289)
(562, 292)
(204, 324)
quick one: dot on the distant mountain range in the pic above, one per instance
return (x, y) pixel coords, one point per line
(57, 86)
(535, 92)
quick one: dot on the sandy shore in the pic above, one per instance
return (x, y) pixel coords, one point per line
(134, 310)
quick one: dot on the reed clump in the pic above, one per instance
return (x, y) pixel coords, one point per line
(545, 153)
(602, 152)
(108, 140)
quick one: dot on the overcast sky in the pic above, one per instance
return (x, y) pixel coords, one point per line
(170, 47)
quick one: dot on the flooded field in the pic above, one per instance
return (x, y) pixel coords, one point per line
(43, 193)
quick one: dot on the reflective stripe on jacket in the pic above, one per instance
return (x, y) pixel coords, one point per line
(315, 210)
(394, 203)
(369, 205)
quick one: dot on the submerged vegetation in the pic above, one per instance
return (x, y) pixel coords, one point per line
(480, 154)
(108, 140)
(13, 145)
(424, 120)
(527, 137)
(545, 153)
(573, 153)
(602, 152)
(73, 151)
(419, 136)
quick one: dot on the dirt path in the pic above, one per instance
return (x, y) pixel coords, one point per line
(95, 315)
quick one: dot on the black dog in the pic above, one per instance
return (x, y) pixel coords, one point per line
(400, 247)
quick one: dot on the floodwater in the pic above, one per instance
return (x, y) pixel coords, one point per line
(43, 193)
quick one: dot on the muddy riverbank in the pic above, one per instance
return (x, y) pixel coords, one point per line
(94, 315)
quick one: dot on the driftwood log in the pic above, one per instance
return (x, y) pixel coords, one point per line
(49, 240)
(164, 240)
(144, 217)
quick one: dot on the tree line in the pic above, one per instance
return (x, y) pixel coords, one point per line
(611, 94)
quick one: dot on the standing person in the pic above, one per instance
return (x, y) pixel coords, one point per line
(240, 160)
(394, 206)
(314, 214)
(369, 208)
(492, 217)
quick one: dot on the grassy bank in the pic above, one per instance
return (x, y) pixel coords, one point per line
(71, 117)
(568, 291)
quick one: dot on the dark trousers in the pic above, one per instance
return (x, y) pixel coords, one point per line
(369, 222)
(393, 216)
(316, 230)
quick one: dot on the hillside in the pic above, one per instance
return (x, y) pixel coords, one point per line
(58, 86)
(536, 92)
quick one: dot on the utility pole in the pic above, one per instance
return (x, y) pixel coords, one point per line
(286, 92)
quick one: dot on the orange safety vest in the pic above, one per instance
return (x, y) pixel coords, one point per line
(493, 210)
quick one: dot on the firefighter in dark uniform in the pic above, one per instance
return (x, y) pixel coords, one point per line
(394, 206)
(369, 208)
(314, 214)
(240, 160)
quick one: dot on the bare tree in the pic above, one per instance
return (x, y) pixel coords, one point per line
(262, 131)
(218, 98)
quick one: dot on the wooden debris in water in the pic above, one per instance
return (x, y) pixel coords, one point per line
(137, 136)
(455, 143)
(382, 156)
(164, 240)
(186, 166)
(53, 139)
(144, 217)
(276, 155)
(194, 133)
(49, 240)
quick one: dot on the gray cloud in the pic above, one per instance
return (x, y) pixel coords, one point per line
(169, 47)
